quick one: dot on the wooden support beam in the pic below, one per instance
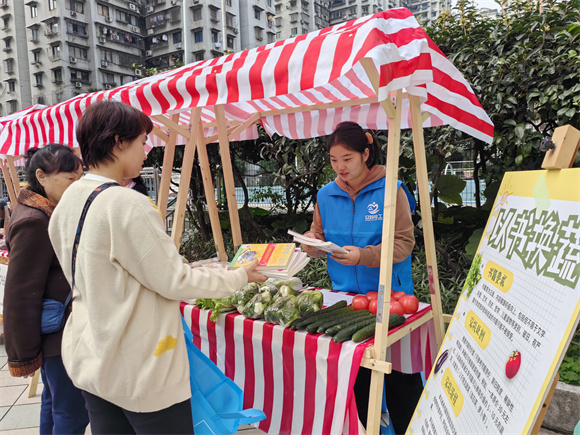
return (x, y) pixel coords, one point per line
(160, 134)
(186, 168)
(215, 124)
(235, 132)
(325, 106)
(33, 384)
(9, 186)
(369, 66)
(386, 270)
(381, 366)
(167, 169)
(173, 125)
(426, 217)
(210, 193)
(228, 176)
(546, 404)
(13, 174)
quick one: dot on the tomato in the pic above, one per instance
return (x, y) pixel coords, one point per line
(513, 365)
(360, 302)
(410, 304)
(396, 308)
(398, 295)
(372, 295)
(392, 293)
(373, 306)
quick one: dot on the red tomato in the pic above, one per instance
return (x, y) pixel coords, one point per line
(410, 304)
(373, 306)
(360, 302)
(398, 295)
(372, 295)
(397, 308)
(392, 293)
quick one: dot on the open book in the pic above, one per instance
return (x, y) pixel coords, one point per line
(316, 243)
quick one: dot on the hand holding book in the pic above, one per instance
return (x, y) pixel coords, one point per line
(316, 243)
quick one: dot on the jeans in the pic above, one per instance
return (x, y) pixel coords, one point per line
(62, 409)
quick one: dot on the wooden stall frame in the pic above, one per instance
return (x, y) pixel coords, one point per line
(375, 355)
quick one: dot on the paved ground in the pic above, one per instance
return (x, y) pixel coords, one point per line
(20, 415)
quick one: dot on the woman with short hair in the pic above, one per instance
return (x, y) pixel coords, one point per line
(123, 344)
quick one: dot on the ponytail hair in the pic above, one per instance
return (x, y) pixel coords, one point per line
(52, 159)
(352, 136)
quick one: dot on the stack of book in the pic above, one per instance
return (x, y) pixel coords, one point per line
(275, 260)
(317, 243)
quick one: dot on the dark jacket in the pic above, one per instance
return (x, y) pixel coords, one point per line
(34, 273)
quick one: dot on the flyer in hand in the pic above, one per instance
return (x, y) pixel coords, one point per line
(276, 260)
(317, 243)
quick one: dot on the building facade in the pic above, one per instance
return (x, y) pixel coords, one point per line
(53, 50)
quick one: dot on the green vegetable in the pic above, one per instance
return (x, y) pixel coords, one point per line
(220, 306)
(283, 311)
(286, 290)
(313, 327)
(474, 275)
(347, 318)
(256, 306)
(333, 329)
(243, 295)
(311, 317)
(364, 333)
(396, 320)
(294, 283)
(347, 332)
(310, 301)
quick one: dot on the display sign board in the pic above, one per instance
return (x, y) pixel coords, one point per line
(515, 318)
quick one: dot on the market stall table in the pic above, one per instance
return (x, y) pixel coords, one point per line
(303, 382)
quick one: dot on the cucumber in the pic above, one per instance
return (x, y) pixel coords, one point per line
(364, 333)
(311, 317)
(334, 329)
(342, 319)
(346, 333)
(319, 319)
(396, 320)
(313, 327)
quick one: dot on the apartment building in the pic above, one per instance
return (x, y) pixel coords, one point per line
(256, 23)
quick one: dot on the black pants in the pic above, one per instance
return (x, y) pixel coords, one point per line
(107, 418)
(403, 394)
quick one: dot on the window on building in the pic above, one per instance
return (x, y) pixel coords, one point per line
(365, 10)
(278, 35)
(12, 86)
(259, 33)
(278, 8)
(198, 36)
(51, 5)
(197, 14)
(228, 2)
(177, 38)
(294, 31)
(107, 55)
(38, 79)
(230, 21)
(278, 21)
(294, 17)
(34, 33)
(55, 51)
(304, 30)
(76, 28)
(257, 14)
(79, 76)
(269, 3)
(215, 36)
(108, 78)
(1, 112)
(5, 22)
(230, 42)
(13, 106)
(199, 56)
(33, 11)
(8, 43)
(75, 6)
(271, 38)
(36, 56)
(78, 52)
(292, 3)
(103, 10)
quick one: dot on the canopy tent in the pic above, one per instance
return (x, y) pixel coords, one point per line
(381, 71)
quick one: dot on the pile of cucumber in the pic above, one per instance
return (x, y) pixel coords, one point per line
(343, 323)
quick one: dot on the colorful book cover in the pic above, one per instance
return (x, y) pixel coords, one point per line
(270, 255)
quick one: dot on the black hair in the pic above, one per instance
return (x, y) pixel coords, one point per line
(52, 159)
(352, 136)
(102, 123)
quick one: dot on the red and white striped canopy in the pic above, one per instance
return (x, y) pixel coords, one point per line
(311, 69)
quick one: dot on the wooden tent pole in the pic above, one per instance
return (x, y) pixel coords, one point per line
(228, 176)
(209, 191)
(426, 217)
(9, 186)
(186, 168)
(14, 174)
(167, 169)
(386, 270)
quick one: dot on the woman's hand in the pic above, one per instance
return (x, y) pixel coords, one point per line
(310, 250)
(254, 276)
(350, 259)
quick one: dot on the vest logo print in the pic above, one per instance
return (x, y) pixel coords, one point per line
(373, 209)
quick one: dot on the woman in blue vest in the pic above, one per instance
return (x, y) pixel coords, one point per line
(349, 213)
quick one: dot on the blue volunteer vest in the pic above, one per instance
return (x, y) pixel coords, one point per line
(359, 223)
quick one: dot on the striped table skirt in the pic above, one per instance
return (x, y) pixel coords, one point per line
(303, 382)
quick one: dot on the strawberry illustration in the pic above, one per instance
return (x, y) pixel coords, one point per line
(513, 364)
